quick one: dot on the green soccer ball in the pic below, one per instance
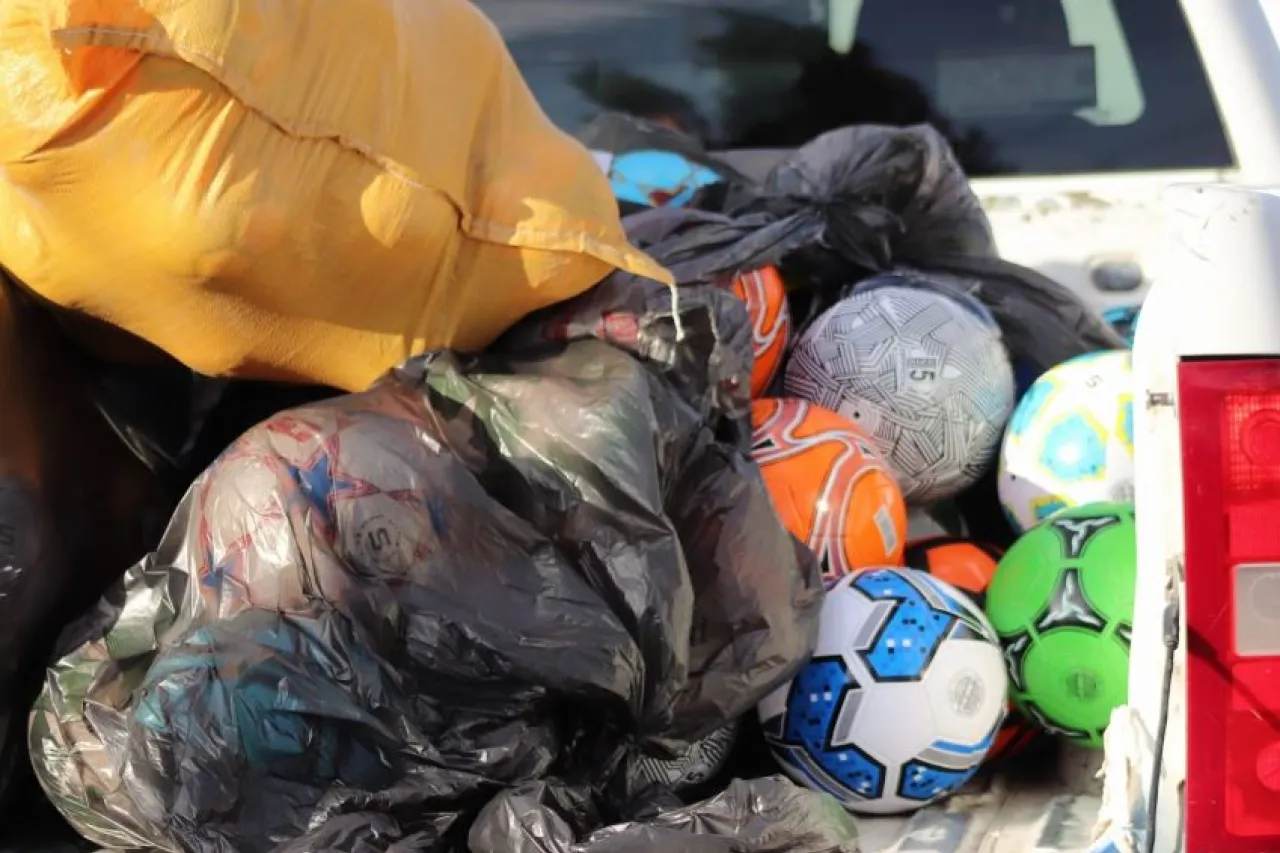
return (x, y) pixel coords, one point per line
(1062, 603)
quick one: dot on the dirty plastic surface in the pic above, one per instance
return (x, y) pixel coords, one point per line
(524, 571)
(761, 816)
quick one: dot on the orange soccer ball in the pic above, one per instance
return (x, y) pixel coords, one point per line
(766, 296)
(830, 487)
(969, 566)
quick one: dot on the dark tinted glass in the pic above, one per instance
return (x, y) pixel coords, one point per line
(1019, 86)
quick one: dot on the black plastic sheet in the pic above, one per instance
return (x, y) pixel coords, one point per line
(761, 816)
(374, 613)
(852, 202)
(866, 200)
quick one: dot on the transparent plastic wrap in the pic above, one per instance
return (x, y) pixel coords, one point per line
(373, 613)
(76, 508)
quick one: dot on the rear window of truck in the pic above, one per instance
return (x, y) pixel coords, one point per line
(1020, 87)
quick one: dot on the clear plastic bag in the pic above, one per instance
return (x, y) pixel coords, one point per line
(375, 612)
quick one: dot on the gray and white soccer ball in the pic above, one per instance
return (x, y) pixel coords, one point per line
(925, 374)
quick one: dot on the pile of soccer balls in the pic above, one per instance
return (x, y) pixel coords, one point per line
(938, 654)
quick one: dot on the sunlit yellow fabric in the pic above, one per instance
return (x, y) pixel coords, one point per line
(308, 190)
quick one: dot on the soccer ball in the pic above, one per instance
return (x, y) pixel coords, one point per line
(901, 700)
(970, 566)
(350, 484)
(1062, 603)
(828, 485)
(655, 178)
(924, 373)
(766, 298)
(1070, 440)
(966, 564)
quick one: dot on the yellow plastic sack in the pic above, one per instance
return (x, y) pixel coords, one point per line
(307, 191)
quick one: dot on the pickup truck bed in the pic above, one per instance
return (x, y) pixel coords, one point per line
(1018, 813)
(1002, 818)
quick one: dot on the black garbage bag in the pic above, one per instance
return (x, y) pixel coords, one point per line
(76, 509)
(1043, 322)
(852, 202)
(768, 815)
(866, 200)
(620, 133)
(374, 613)
(654, 165)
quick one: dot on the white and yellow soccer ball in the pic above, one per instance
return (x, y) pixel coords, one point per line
(1070, 440)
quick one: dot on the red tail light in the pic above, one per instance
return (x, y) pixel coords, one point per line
(1230, 420)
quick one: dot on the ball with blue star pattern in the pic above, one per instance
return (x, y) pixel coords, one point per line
(1070, 440)
(901, 700)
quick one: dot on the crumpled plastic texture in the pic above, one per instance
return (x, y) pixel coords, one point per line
(854, 201)
(374, 613)
(626, 147)
(865, 200)
(300, 192)
(76, 508)
(767, 815)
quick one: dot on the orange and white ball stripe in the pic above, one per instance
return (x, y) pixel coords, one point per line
(829, 486)
(766, 296)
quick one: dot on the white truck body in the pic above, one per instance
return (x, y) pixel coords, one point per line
(1217, 236)
(1071, 225)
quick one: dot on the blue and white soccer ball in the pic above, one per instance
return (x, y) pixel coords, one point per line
(902, 699)
(1070, 440)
